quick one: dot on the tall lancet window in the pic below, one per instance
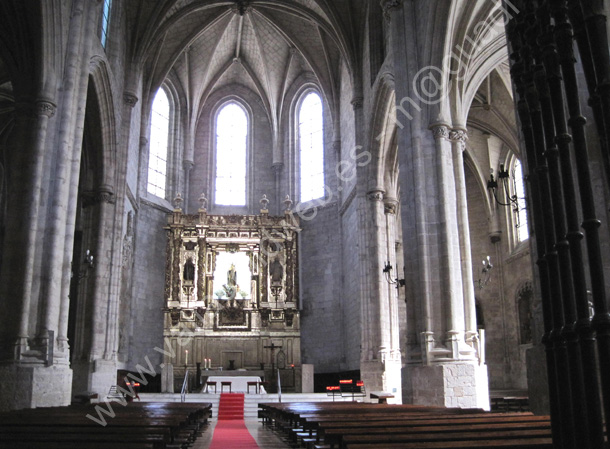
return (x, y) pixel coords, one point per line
(105, 21)
(311, 147)
(159, 138)
(522, 230)
(231, 145)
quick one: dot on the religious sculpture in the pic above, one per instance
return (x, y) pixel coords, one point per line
(231, 288)
(188, 273)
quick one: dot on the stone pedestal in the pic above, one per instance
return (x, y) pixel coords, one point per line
(307, 378)
(537, 382)
(94, 377)
(23, 386)
(167, 378)
(463, 385)
(383, 376)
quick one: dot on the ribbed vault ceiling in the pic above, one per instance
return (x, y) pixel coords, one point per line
(262, 44)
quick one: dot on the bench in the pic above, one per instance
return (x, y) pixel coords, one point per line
(134, 426)
(354, 425)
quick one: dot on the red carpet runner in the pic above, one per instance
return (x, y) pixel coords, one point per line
(230, 431)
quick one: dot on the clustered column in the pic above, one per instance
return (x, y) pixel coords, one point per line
(542, 38)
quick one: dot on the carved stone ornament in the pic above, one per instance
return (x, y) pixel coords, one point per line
(241, 7)
(460, 137)
(357, 103)
(390, 207)
(143, 141)
(174, 317)
(178, 201)
(375, 195)
(130, 99)
(287, 203)
(106, 194)
(44, 107)
(388, 6)
(264, 202)
(440, 132)
(203, 201)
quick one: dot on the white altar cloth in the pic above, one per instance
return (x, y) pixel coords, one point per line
(239, 384)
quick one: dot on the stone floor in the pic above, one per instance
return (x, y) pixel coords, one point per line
(265, 438)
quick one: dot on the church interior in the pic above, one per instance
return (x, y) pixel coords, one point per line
(414, 194)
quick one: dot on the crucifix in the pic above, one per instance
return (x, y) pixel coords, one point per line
(273, 347)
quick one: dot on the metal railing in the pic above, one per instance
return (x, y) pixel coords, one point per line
(185, 385)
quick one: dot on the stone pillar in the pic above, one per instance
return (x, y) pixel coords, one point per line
(458, 141)
(450, 271)
(444, 372)
(19, 254)
(393, 361)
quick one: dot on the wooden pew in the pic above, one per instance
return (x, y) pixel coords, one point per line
(367, 426)
(135, 426)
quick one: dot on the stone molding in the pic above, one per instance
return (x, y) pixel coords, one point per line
(440, 132)
(389, 6)
(375, 195)
(130, 99)
(337, 146)
(460, 137)
(45, 107)
(104, 194)
(390, 206)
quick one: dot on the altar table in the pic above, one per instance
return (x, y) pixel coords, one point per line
(239, 384)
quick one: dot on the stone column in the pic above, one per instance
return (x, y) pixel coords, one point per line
(393, 362)
(458, 139)
(36, 121)
(278, 167)
(446, 373)
(450, 271)
(188, 166)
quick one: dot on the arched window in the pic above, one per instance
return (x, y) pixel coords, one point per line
(159, 138)
(519, 187)
(311, 147)
(105, 21)
(231, 145)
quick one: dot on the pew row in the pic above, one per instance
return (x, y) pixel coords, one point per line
(365, 426)
(130, 426)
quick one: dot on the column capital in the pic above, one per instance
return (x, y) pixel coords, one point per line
(390, 206)
(45, 107)
(188, 165)
(130, 98)
(337, 146)
(389, 6)
(440, 131)
(375, 195)
(106, 194)
(357, 102)
(459, 137)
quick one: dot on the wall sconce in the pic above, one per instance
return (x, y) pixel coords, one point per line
(485, 273)
(504, 177)
(87, 264)
(387, 270)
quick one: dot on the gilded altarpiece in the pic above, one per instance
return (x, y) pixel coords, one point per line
(231, 296)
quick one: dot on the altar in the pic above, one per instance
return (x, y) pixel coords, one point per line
(232, 299)
(239, 384)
